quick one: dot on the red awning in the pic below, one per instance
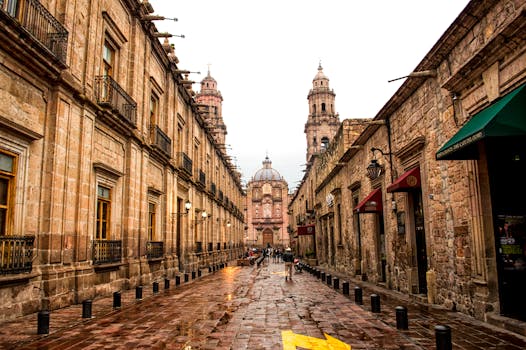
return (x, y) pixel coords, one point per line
(306, 230)
(410, 180)
(371, 204)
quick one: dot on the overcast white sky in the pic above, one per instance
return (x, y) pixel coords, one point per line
(264, 55)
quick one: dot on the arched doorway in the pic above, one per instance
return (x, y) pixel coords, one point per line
(268, 237)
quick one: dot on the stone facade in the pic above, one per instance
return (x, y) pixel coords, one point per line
(427, 223)
(267, 203)
(102, 146)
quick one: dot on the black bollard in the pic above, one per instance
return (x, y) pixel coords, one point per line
(43, 322)
(116, 300)
(345, 288)
(86, 308)
(177, 280)
(199, 273)
(443, 337)
(193, 275)
(155, 287)
(336, 283)
(401, 317)
(209, 269)
(166, 283)
(186, 277)
(358, 295)
(323, 276)
(375, 303)
(138, 292)
(328, 279)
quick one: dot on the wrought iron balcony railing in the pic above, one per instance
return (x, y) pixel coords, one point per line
(110, 94)
(154, 250)
(161, 141)
(198, 247)
(213, 188)
(16, 254)
(40, 23)
(201, 178)
(220, 195)
(106, 252)
(185, 163)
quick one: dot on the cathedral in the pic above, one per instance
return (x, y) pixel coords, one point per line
(267, 202)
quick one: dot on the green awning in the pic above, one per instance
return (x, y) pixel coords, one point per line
(505, 117)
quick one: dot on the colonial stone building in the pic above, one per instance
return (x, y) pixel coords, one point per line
(427, 198)
(109, 175)
(267, 202)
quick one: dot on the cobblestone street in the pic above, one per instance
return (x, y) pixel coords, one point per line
(247, 308)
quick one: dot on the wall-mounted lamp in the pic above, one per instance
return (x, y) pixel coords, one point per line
(228, 224)
(187, 207)
(374, 169)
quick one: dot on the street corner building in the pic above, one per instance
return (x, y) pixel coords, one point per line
(112, 173)
(427, 197)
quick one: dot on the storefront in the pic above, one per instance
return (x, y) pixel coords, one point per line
(496, 137)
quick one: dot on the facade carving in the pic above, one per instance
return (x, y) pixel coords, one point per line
(106, 173)
(427, 198)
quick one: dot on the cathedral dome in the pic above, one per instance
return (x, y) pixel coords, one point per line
(267, 173)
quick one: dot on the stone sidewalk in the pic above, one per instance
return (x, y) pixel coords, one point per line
(248, 308)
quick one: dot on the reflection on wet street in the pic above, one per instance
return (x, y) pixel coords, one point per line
(245, 308)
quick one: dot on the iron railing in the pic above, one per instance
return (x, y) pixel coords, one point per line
(41, 24)
(201, 178)
(198, 247)
(213, 188)
(110, 94)
(185, 163)
(161, 141)
(154, 250)
(220, 195)
(106, 252)
(16, 254)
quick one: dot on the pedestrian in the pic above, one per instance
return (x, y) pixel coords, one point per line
(288, 258)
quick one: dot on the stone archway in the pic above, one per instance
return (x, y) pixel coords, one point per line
(268, 237)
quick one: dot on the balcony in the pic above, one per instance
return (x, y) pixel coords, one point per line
(220, 195)
(201, 179)
(106, 252)
(40, 24)
(161, 141)
(198, 247)
(16, 253)
(110, 94)
(213, 188)
(185, 164)
(154, 250)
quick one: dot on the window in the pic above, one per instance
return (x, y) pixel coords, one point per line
(324, 143)
(7, 181)
(154, 109)
(323, 107)
(151, 221)
(10, 6)
(108, 57)
(103, 212)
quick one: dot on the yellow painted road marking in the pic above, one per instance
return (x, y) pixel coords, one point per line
(292, 340)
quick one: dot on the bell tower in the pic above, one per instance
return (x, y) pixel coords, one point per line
(323, 122)
(210, 101)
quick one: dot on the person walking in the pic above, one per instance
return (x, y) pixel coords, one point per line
(288, 259)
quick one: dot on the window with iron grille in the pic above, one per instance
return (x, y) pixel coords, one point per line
(103, 212)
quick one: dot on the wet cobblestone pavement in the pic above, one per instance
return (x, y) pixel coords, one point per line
(248, 308)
